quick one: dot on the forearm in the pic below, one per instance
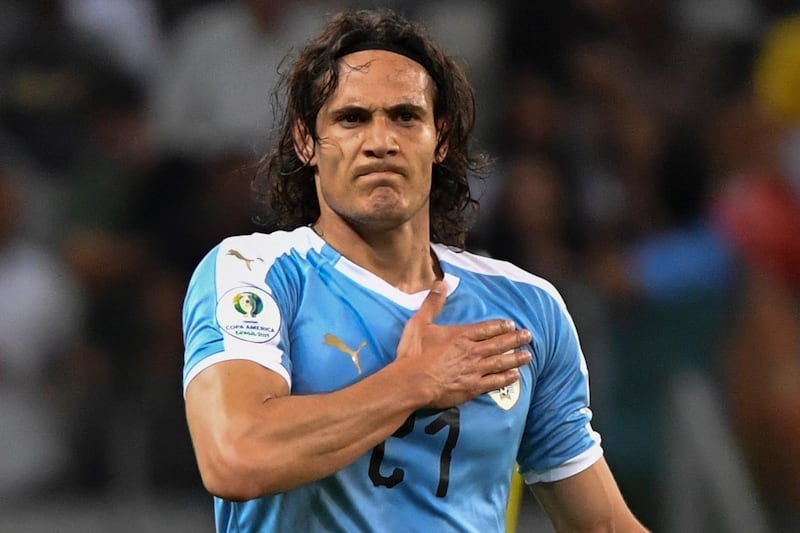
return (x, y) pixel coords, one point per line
(251, 444)
(587, 502)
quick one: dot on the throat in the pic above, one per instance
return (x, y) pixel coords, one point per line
(408, 274)
(402, 258)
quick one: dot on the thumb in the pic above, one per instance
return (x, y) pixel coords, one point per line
(433, 303)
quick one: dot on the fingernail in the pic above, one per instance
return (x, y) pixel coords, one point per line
(438, 287)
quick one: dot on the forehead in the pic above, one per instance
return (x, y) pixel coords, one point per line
(378, 78)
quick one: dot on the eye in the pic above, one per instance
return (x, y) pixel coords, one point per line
(351, 118)
(406, 116)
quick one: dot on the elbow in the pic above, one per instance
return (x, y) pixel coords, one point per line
(225, 480)
(228, 487)
(233, 474)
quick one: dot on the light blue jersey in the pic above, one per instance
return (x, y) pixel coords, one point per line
(293, 304)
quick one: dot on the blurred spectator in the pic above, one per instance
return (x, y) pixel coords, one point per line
(670, 292)
(117, 150)
(220, 64)
(534, 114)
(721, 20)
(45, 86)
(759, 210)
(615, 137)
(531, 227)
(110, 265)
(126, 32)
(540, 36)
(685, 254)
(15, 25)
(470, 30)
(172, 12)
(40, 319)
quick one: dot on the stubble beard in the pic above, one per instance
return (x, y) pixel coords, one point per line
(384, 211)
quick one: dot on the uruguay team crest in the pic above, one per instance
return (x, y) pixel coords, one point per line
(249, 314)
(506, 397)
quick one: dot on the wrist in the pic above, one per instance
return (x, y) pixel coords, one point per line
(417, 387)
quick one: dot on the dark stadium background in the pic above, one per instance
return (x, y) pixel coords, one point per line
(645, 161)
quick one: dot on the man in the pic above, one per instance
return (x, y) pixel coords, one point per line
(384, 382)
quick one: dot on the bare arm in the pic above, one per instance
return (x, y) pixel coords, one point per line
(589, 501)
(252, 437)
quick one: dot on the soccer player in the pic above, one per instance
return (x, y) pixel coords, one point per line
(356, 369)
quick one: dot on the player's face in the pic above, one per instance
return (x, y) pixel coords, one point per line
(377, 143)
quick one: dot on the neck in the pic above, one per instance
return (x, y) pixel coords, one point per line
(402, 256)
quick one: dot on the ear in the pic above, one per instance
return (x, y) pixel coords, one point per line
(441, 154)
(303, 143)
(442, 128)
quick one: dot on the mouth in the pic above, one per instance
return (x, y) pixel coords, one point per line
(379, 171)
(379, 175)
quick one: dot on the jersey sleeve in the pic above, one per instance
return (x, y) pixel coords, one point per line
(558, 441)
(230, 312)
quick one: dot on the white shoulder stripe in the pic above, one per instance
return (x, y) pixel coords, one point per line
(251, 256)
(574, 466)
(222, 356)
(494, 267)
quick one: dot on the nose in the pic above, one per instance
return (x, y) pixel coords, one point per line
(379, 138)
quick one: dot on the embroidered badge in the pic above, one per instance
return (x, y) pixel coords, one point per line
(506, 397)
(249, 314)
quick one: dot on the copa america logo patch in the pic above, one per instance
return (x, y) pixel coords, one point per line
(249, 314)
(506, 397)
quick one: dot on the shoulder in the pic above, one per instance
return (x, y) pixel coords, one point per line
(267, 247)
(252, 256)
(489, 267)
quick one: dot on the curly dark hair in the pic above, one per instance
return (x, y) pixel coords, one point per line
(285, 185)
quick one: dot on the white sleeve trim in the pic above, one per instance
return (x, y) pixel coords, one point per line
(573, 466)
(223, 356)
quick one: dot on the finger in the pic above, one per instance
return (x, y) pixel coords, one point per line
(489, 329)
(503, 342)
(498, 381)
(433, 303)
(501, 363)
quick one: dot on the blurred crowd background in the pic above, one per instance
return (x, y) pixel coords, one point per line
(646, 161)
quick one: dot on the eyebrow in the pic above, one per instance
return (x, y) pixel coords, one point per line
(405, 107)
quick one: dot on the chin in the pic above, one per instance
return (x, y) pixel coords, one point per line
(380, 217)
